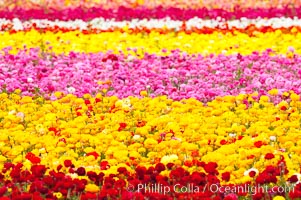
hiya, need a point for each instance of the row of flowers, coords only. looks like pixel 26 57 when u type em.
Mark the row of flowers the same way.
pixel 229 5
pixel 122 13
pixel 153 42
pixel 160 181
pixel 195 24
pixel 177 75
pixel 231 139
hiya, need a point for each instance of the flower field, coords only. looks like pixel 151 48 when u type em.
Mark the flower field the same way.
pixel 136 99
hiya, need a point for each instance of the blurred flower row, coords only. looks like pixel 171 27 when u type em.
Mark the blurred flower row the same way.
pixel 153 42
pixel 122 13
pixel 192 4
pixel 178 75
pixel 196 25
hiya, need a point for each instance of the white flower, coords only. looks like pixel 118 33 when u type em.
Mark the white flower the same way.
pixel 71 90
pixel 29 80
pixel 291 49
pixel 17 24
pixel 136 137
pixel 175 138
pixel 73 175
pixel 246 173
pixel 232 135
pixel 21 115
pixel 11 112
pixel 273 138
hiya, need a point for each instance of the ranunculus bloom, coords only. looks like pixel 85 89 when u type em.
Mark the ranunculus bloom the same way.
pixel 269 156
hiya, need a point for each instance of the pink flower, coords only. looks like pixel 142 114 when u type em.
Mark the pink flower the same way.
pixel 231 196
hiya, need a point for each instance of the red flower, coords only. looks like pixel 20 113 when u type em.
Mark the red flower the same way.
pixel 104 165
pixel 170 165
pixel 283 108
pixel 258 144
pixel 188 163
pixel 212 179
pixel 3 190
pixel 38 170
pixel 226 176
pixel 56 132
pixel 67 163
pixel 141 123
pixel 95 154
pixel 119 184
pixel 140 171
pixel 269 156
pixel 252 173
pixel 47 180
pixel 59 167
pixel 37 196
pixel 8 165
pixel 81 171
pixel 177 173
pixel 92 176
pixel 295 194
pixel 63 140
pixel 23 196
pixel 121 170
pixel 210 168
pixel 195 153
pixel 223 142
pixel 257 196
pixel 201 164
pixel 80 185
pixel 121 126
pixel 240 137
pixel 293 179
pixel 32 158
pixel 88 196
pixel 198 178
pixel 160 167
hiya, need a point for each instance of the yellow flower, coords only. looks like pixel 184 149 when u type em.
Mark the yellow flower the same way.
pixel 92 188
pixel 286 94
pixel 273 92
pixel 278 198
pixel 264 98
pixel 150 143
pixel 58 195
pixel 2 159
pixel 143 93
pixel 295 97
pixel 58 94
pixel 169 159
pixel 17 91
